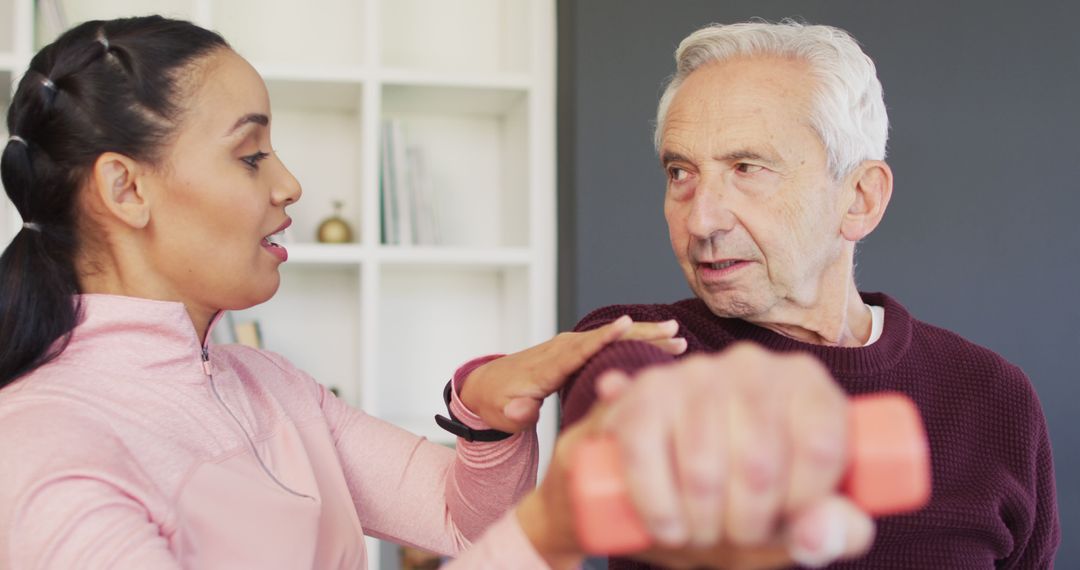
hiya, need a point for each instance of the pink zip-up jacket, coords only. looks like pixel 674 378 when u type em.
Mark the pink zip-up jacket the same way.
pixel 140 448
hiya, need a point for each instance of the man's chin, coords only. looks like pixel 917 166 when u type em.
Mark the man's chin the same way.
pixel 732 306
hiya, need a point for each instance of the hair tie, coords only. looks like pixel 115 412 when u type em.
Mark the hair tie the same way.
pixel 32 226
pixel 50 91
pixel 17 139
pixel 104 42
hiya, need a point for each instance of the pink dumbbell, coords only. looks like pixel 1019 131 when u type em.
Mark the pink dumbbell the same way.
pixel 889 473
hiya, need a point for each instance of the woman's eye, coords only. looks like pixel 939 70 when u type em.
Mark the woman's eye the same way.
pixel 747 168
pixel 677 174
pixel 253 160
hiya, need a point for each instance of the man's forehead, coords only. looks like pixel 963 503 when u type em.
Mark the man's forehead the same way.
pixel 741 105
pixel 734 136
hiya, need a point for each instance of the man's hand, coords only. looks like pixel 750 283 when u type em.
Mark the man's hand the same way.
pixel 507 392
pixel 731 460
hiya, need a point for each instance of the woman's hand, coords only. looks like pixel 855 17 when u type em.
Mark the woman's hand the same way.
pixel 731 460
pixel 507 392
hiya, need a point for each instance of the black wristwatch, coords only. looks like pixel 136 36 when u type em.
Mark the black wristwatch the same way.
pixel 454 425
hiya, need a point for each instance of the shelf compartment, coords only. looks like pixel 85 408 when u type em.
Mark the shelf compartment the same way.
pixel 454 256
pixel 325 254
pixel 7 89
pixel 461 80
pixel 286 33
pixel 459 36
pixel 433 320
pixel 8 217
pixel 76 11
pixel 475 146
pixel 321 146
pixel 7 31
pixel 313 321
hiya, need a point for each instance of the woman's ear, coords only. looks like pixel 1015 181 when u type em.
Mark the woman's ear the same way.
pixel 116 186
pixel 871 184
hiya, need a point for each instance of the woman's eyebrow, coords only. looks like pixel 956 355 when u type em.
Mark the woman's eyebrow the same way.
pixel 257 118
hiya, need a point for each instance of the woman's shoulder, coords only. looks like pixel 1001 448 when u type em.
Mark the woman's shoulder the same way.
pixel 48 431
pixel 268 379
pixel 266 363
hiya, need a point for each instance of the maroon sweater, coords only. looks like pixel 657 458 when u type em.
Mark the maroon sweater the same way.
pixel 993 502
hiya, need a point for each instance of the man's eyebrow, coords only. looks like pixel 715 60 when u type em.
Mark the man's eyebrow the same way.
pixel 737 155
pixel 671 156
pixel 256 118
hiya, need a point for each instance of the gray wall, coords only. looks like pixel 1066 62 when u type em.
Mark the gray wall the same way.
pixel 981 235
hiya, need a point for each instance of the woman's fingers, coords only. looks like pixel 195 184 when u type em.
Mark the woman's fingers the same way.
pixel 651 331
pixel 672 346
pixel 569 351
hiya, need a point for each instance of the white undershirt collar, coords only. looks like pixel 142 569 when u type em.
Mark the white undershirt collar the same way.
pixel 877 323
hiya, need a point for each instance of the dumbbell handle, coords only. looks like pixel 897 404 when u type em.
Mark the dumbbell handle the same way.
pixel 888 473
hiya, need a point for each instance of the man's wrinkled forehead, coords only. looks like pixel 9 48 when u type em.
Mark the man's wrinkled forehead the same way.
pixel 750 99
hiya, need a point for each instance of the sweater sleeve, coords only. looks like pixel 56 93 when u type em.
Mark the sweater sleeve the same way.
pixel 79 509
pixel 1032 515
pixel 579 393
pixel 411 491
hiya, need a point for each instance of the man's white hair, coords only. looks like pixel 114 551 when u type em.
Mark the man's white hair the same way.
pixel 848 109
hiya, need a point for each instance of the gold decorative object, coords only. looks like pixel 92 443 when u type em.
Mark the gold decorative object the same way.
pixel 335 229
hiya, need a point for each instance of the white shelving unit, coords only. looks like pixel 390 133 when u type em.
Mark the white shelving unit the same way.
pixel 472 84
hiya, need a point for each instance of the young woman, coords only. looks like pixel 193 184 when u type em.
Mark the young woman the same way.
pixel 140 160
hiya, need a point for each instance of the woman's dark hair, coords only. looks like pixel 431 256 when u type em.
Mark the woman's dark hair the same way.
pixel 101 86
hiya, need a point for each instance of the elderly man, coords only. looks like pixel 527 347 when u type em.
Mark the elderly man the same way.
pixel 773 140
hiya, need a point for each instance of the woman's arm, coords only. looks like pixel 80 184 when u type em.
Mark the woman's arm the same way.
pixel 409 490
pixel 69 498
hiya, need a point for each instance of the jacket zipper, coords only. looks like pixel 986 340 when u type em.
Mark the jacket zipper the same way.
pixel 208 370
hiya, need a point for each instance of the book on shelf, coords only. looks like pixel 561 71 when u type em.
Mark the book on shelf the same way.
pixel 406 197
pixel 248 333
pixel 231 331
pixel 413 558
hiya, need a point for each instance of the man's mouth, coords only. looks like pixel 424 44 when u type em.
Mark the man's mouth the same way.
pixel 720 265
pixel 716 271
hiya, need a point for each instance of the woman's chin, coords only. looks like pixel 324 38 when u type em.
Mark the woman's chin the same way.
pixel 257 293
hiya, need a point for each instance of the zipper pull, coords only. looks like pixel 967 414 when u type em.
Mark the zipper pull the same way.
pixel 206 361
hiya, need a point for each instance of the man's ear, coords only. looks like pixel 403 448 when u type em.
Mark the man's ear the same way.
pixel 871 184
pixel 116 185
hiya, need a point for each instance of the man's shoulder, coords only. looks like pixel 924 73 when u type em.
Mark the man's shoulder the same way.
pixel 974 372
pixel 640 312
pixel 943 345
pixel 933 339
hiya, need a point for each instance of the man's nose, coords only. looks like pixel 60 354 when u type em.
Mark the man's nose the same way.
pixel 710 210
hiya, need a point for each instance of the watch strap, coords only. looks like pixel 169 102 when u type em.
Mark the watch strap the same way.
pixel 456 427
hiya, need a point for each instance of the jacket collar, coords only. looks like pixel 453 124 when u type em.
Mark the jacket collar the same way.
pixel 130 334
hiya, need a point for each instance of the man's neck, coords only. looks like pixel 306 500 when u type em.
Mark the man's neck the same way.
pixel 836 316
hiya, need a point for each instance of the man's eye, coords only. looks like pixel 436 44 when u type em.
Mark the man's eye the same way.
pixel 252 160
pixel 677 174
pixel 746 168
